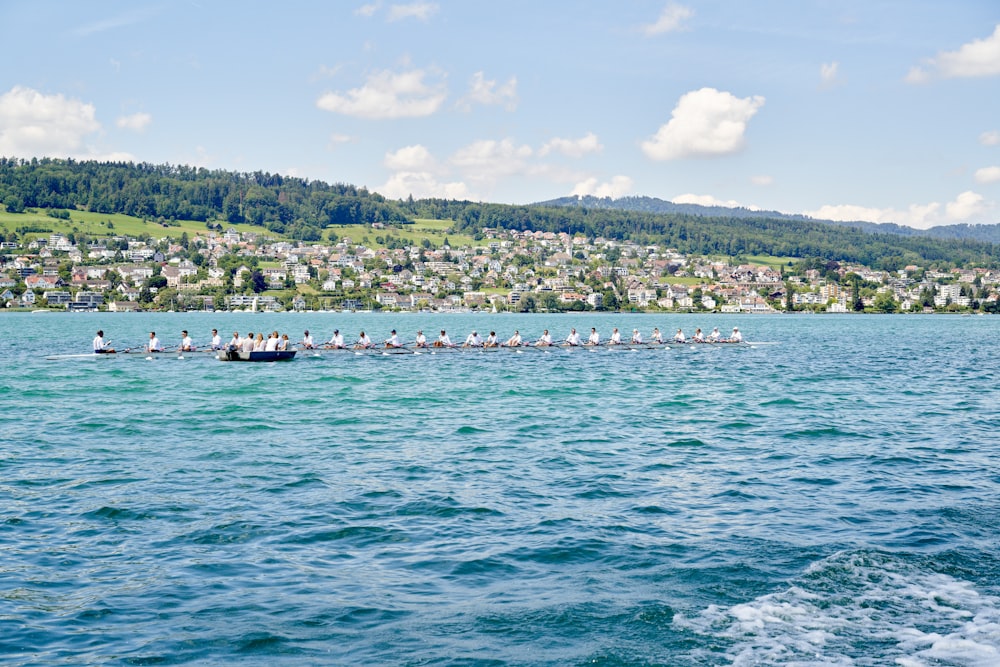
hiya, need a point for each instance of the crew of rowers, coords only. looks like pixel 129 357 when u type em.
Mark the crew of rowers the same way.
pixel 364 341
pixel 249 343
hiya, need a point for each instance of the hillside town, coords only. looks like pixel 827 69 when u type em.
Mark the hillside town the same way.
pixel 509 270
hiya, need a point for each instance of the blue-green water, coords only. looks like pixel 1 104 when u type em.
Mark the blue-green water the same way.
pixel 832 499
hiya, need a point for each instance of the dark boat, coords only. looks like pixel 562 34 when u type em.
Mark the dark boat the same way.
pixel 272 355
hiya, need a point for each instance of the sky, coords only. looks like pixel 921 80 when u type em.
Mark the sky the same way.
pixel 878 110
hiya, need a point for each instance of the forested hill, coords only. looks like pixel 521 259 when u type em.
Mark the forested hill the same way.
pixel 303 209
pixel 988 233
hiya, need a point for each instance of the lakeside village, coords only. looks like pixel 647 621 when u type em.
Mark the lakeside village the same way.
pixel 520 271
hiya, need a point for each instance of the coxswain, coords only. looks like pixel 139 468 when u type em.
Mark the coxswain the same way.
pixel 102 346
pixel 393 340
pixel 573 339
pixel 307 341
pixel 443 340
pixel 216 340
pixel 515 340
pixel 473 340
pixel 595 338
pixel 636 337
pixel 714 336
pixel 420 340
pixel 336 341
pixel 491 340
pixel 616 338
pixel 154 343
pixel 679 337
pixel 363 341
pixel 545 340
pixel 736 337
pixel 186 344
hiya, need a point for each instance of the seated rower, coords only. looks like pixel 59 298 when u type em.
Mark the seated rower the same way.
pixel 102 346
pixel 186 344
pixel 679 337
pixel 616 337
pixel 336 341
pixel 216 340
pixel 573 339
pixel 393 340
pixel 698 336
pixel 473 340
pixel 154 343
pixel 514 341
pixel 636 337
pixel 443 340
pixel 420 340
pixel 491 340
pixel 714 336
pixel 655 337
pixel 363 342
pixel 545 340
pixel 307 341
pixel 595 338
pixel 736 336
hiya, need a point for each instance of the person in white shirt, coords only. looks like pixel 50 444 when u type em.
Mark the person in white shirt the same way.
pixel 283 343
pixel 545 340
pixel 679 337
pixel 154 343
pixel 595 338
pixel 336 341
pixel 616 338
pixel 714 336
pixel 363 341
pixel 698 336
pixel 102 346
pixel 515 340
pixel 307 341
pixel 491 340
pixel 655 337
pixel 443 340
pixel 573 338
pixel 216 340
pixel 235 343
pixel 186 344
pixel 420 340
pixel 636 337
pixel 393 340
pixel 259 344
pixel 473 340
pixel 736 337
pixel 271 344
pixel 246 345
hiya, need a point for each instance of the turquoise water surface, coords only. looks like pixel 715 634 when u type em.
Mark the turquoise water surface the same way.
pixel 830 499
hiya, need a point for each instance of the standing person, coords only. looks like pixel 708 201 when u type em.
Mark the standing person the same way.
pixel 714 336
pixel 364 341
pixel 545 340
pixel 655 337
pixel 515 340
pixel 393 340
pixel 420 340
pixel 216 340
pixel 736 337
pixel 573 339
pixel 616 338
pixel 307 341
pixel 102 346
pixel 443 340
pixel 491 340
pixel 336 341
pixel 473 340
pixel 594 338
pixel 636 337
pixel 186 344
pixel 154 343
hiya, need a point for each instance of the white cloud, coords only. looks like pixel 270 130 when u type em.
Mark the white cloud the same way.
pixel 422 184
pixel 366 11
pixel 705 122
pixel 709 200
pixel 991 138
pixel 988 175
pixel 488 160
pixel 762 180
pixel 573 147
pixel 920 216
pixel 671 20
pixel 137 122
pixel 980 57
pixel 336 139
pixel 828 74
pixel 489 93
pixel 33 124
pixel 388 95
pixel 618 186
pixel 410 158
pixel 414 10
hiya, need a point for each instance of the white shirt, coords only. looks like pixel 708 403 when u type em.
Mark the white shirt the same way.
pixel 515 340
pixel 573 338
pixel 186 343
pixel 271 344
pixel 248 344
pixel 656 337
pixel 474 340
pixel 546 339
pixel 737 337
pixel 444 340
pixel 679 336
pixel 364 340
pixel 616 338
pixel 307 341
pixel 698 337
pixel 491 341
pixel 99 344
pixel 595 338
pixel 216 342
pixel 234 344
pixel 154 345
pixel 259 345
pixel 421 340
pixel 393 341
pixel 282 343
pixel 715 334
pixel 337 340
pixel 637 338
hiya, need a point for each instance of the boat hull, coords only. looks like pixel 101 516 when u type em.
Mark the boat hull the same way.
pixel 261 356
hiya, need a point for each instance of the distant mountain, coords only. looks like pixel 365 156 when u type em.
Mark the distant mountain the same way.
pixel 988 233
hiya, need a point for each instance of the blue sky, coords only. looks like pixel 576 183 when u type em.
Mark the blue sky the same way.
pixel 876 110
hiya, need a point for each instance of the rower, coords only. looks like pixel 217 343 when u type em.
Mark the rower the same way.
pixel 102 346
pixel 393 340
pixel 515 340
pixel 679 337
pixel 636 337
pixel 491 340
pixel 616 338
pixel 655 337
pixel 363 341
pixel 216 340
pixel 736 336
pixel 714 336
pixel 307 341
pixel 420 340
pixel 698 336
pixel 595 338
pixel 336 341
pixel 186 344
pixel 545 340
pixel 443 340
pixel 573 338
pixel 154 343
pixel 473 340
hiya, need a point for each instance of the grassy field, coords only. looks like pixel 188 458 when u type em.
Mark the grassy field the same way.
pixel 434 231
pixel 108 224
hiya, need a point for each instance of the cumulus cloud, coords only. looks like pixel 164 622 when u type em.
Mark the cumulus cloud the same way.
pixel 991 138
pixel 421 185
pixel 572 147
pixel 489 93
pixel 705 122
pixel 828 73
pixel 618 186
pixel 980 57
pixel 137 122
pixel 671 19
pixel 920 216
pixel 34 124
pixel 366 11
pixel 988 175
pixel 414 10
pixel 410 158
pixel 488 160
pixel 709 200
pixel 388 95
